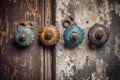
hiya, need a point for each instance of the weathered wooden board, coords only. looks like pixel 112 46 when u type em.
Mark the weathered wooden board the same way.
pixel 87 62
pixel 24 63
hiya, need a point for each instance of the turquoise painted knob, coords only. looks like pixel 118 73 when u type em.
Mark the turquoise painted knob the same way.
pixel 24 36
pixel 73 35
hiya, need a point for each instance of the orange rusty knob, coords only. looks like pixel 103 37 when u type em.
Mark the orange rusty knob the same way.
pixel 49 35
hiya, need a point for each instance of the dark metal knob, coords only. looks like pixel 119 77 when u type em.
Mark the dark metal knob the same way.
pixel 73 35
pixel 24 36
pixel 98 34
pixel 49 35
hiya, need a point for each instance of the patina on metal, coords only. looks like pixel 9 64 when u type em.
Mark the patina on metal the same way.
pixel 73 35
pixel 49 35
pixel 24 36
pixel 98 35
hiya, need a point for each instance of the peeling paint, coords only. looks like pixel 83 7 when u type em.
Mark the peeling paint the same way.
pixel 86 13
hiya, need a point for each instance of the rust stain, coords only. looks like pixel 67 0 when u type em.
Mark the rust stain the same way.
pixel 31 63
pixel 15 73
pixel 1 40
pixel 7 29
pixel 32 9
pixel 4 33
pixel 48 12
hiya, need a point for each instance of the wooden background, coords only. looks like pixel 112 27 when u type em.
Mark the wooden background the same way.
pixel 87 62
pixel 25 63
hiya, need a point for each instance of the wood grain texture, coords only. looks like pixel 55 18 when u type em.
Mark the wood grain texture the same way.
pixel 86 62
pixel 49 51
pixel 20 63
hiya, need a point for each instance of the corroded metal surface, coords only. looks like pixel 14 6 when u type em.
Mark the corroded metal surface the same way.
pixel 49 35
pixel 98 35
pixel 88 62
pixel 70 32
pixel 24 36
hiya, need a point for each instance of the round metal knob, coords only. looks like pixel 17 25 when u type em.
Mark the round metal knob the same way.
pixel 24 36
pixel 49 35
pixel 73 35
pixel 98 35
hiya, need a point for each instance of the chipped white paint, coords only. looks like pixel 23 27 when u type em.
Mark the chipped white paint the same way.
pixel 66 59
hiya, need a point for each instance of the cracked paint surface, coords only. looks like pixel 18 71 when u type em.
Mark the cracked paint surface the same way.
pixel 86 62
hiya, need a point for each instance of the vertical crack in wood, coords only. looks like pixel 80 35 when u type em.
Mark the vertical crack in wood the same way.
pixel 48 53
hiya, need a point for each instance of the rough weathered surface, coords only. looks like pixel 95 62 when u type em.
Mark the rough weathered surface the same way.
pixel 87 62
pixel 18 63
pixel 24 63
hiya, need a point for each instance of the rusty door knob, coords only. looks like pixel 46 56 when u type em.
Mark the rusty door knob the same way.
pixel 73 35
pixel 49 35
pixel 24 36
pixel 98 35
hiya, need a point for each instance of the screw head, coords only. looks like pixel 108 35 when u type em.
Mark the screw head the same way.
pixel 99 35
pixel 48 35
pixel 74 36
pixel 23 37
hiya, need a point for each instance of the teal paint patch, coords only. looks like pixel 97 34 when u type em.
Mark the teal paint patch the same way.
pixel 28 32
pixel 68 32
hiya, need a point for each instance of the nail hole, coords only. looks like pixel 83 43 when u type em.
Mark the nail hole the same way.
pixel 87 22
